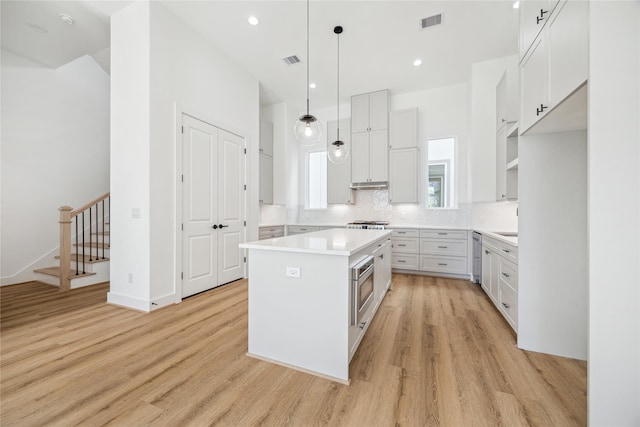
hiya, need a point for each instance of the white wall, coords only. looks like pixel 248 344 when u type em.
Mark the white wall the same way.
pixel 55 152
pixel 552 244
pixel 614 214
pixel 186 71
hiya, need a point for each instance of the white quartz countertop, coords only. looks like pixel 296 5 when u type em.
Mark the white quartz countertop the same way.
pixel 512 240
pixel 336 241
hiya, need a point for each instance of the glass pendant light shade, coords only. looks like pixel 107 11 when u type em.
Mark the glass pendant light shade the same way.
pixel 308 130
pixel 338 152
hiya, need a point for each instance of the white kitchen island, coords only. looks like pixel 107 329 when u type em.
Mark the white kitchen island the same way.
pixel 305 322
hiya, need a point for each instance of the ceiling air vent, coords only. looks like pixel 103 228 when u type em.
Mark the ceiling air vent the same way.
pixel 431 21
pixel 291 60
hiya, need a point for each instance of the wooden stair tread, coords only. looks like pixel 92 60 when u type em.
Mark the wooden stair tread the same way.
pixel 87 258
pixel 93 245
pixel 55 271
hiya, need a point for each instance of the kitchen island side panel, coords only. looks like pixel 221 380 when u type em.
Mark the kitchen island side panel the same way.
pixel 302 321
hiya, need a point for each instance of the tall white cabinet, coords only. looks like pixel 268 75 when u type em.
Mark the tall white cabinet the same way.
pixel 370 137
pixel 266 163
pixel 403 156
pixel 339 175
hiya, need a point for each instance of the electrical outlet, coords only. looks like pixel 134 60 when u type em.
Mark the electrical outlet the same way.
pixel 293 272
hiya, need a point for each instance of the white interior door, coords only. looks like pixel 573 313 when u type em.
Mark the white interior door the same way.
pixel 199 206
pixel 231 207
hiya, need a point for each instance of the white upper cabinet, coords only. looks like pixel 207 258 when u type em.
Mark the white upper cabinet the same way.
pixel 403 175
pixel 266 138
pixel 555 66
pixel 266 179
pixel 370 137
pixel 339 175
pixel 403 128
pixel 568 49
pixel 533 17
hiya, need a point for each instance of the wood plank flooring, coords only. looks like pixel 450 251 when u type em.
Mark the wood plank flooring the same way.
pixel 437 353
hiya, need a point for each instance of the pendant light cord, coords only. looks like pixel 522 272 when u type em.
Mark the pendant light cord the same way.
pixel 338 94
pixel 307 57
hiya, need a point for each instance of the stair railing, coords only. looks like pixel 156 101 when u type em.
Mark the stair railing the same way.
pixel 98 212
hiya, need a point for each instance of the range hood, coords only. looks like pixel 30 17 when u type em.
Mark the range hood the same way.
pixel 371 185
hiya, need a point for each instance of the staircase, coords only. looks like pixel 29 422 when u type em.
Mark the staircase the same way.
pixel 84 246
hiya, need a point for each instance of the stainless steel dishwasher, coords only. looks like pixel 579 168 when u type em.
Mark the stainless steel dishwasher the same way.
pixel 477 257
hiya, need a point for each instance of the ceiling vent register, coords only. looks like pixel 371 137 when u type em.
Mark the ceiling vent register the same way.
pixel 431 21
pixel 291 60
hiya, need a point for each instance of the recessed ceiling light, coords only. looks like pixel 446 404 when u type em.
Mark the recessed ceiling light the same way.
pixel 36 28
pixel 516 5
pixel 417 62
pixel 312 85
pixel 66 18
pixel 253 21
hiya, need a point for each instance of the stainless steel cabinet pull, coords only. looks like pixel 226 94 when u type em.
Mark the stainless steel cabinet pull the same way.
pixel 506 305
pixel 442 247
pixel 401 260
pixel 442 234
pixel 440 263
pixel 401 244
pixel 506 250
pixel 505 275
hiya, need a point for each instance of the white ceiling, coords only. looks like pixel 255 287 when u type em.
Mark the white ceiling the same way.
pixel 379 43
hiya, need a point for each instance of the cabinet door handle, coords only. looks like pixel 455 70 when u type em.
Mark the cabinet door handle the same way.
pixel 442 263
pixel 506 251
pixel 541 109
pixel 362 325
pixel 442 234
pixel 506 305
pixel 382 256
pixel 442 247
pixel 506 275
pixel 486 252
pixel 401 244
pixel 401 260
pixel 540 18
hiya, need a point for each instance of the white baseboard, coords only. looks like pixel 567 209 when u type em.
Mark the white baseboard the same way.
pixel 129 302
pixel 164 301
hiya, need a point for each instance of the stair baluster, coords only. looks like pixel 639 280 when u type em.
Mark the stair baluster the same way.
pixel 90 238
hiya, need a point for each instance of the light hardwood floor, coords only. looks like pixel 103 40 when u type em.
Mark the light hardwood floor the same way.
pixel 437 353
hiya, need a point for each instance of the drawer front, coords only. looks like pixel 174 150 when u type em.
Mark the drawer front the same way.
pixel 443 247
pixel 444 234
pixel 509 252
pixel 406 232
pixel 299 229
pixel 509 305
pixel 411 246
pixel 441 264
pixel 508 273
pixel 404 261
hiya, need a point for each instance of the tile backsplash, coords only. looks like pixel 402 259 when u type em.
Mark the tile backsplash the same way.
pixel 374 205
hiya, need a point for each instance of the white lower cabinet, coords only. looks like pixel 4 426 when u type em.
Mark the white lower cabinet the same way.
pixel 271 231
pixel 500 277
pixel 430 250
pixel 382 267
pixel 300 229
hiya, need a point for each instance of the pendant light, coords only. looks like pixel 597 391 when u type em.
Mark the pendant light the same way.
pixel 338 151
pixel 307 128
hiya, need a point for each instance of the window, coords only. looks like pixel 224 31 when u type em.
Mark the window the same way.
pixel 317 180
pixel 441 172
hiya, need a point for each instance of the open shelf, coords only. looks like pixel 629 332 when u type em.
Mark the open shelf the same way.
pixel 513 164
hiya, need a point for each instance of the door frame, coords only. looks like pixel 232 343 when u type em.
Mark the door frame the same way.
pixel 179 112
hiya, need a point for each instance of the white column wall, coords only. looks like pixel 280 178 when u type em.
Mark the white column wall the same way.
pixel 130 147
pixel 614 214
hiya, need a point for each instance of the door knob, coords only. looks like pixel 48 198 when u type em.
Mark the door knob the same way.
pixel 222 226
pixel 215 226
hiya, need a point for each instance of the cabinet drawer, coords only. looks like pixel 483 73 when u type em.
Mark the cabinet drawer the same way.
pixel 270 232
pixel 444 234
pixel 405 245
pixel 509 252
pixel 404 261
pixel 443 264
pixel 443 247
pixel 509 305
pixel 406 232
pixel 299 229
pixel 508 273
